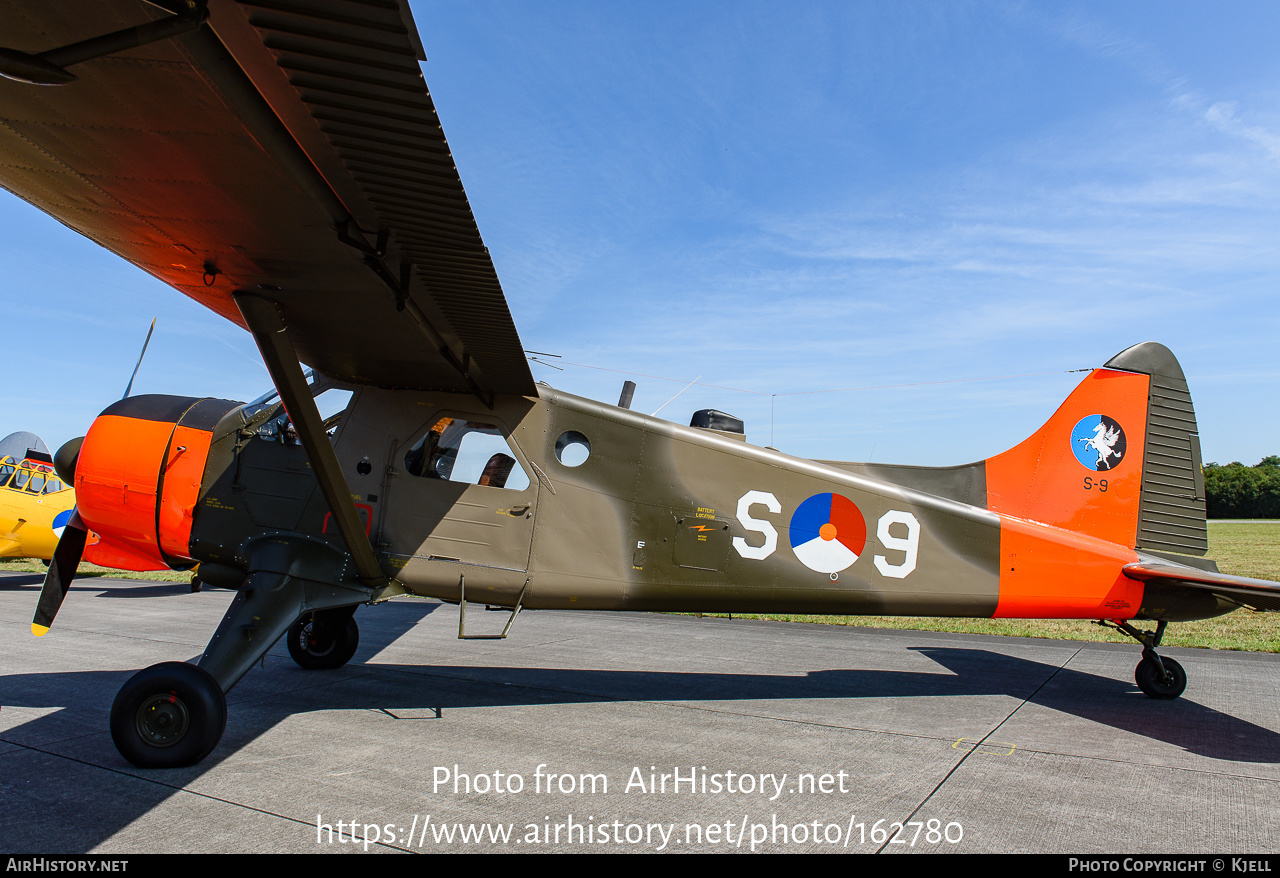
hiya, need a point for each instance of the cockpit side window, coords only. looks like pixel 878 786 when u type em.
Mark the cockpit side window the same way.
pixel 458 450
pixel 332 404
pixel 6 473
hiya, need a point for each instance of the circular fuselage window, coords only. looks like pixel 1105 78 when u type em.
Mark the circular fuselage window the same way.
pixel 572 448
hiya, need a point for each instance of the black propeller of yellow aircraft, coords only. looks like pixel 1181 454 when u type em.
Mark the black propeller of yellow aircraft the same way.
pixel 282 164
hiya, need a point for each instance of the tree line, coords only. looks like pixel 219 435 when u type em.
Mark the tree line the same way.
pixel 1233 490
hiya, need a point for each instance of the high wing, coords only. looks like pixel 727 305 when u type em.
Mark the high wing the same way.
pixel 286 147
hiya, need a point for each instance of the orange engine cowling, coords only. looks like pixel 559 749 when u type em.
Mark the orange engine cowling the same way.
pixel 138 478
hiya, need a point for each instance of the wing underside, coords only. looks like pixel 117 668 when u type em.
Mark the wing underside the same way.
pixel 286 147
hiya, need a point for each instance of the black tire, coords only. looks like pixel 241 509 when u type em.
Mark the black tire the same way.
pixel 168 715
pixel 1150 681
pixel 320 644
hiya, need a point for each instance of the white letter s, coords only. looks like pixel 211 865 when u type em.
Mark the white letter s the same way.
pixel 755 525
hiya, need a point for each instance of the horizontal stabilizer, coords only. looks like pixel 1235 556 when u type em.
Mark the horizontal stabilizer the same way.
pixel 1259 594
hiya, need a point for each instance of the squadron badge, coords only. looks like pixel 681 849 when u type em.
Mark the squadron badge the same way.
pixel 1098 442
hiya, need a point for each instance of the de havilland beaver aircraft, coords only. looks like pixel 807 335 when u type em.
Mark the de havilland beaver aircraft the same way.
pixel 281 162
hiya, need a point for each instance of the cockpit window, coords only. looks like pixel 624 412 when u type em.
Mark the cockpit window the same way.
pixel 36 485
pixel 458 450
pixel 6 472
pixel 20 479
pixel 332 404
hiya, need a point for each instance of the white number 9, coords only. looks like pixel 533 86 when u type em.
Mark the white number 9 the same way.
pixel 910 544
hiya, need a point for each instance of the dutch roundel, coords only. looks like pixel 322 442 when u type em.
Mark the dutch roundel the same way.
pixel 60 521
pixel 828 533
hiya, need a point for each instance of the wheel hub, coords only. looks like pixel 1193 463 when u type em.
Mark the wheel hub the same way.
pixel 162 720
pixel 311 640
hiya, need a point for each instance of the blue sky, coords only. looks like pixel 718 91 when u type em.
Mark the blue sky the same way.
pixel 785 198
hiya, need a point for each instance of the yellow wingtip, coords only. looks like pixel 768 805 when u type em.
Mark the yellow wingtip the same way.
pixel 39 630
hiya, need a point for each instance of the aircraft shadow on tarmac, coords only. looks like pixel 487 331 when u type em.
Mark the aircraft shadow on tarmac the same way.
pixel 267 697
pixel 15 581
pixel 107 588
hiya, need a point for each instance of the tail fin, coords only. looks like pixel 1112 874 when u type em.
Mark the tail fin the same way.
pixel 1119 460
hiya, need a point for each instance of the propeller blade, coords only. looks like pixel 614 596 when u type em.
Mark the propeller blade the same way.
pixel 129 389
pixel 62 569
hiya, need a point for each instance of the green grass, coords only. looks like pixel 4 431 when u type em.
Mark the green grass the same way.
pixel 30 565
pixel 1241 549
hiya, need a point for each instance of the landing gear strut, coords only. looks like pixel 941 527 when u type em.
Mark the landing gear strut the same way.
pixel 1157 676
pixel 173 714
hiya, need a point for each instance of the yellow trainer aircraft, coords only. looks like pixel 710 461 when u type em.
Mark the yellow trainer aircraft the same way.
pixel 35 505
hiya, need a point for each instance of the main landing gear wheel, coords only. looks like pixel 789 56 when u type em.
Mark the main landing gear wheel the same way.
pixel 320 642
pixel 1168 685
pixel 1154 682
pixel 168 715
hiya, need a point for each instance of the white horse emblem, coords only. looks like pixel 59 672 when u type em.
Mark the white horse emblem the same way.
pixel 1103 444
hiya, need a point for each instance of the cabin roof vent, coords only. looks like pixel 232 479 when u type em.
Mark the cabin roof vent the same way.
pixel 718 422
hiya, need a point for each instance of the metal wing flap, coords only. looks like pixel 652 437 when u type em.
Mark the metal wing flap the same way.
pixel 1261 594
pixel 286 147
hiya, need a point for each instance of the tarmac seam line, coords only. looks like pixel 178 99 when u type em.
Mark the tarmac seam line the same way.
pixel 177 789
pixel 975 747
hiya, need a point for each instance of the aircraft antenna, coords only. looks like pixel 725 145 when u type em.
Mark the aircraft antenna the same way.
pixel 673 399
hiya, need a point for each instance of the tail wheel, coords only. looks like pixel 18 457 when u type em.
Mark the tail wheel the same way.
pixel 168 715
pixel 1170 684
pixel 320 642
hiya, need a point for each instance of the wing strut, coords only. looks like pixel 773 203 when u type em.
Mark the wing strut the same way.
pixel 50 67
pixel 264 320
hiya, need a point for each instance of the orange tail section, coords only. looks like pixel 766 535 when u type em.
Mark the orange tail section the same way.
pixel 1118 465
pixel 1081 471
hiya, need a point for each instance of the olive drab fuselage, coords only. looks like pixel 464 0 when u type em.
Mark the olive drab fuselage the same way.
pixel 649 515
